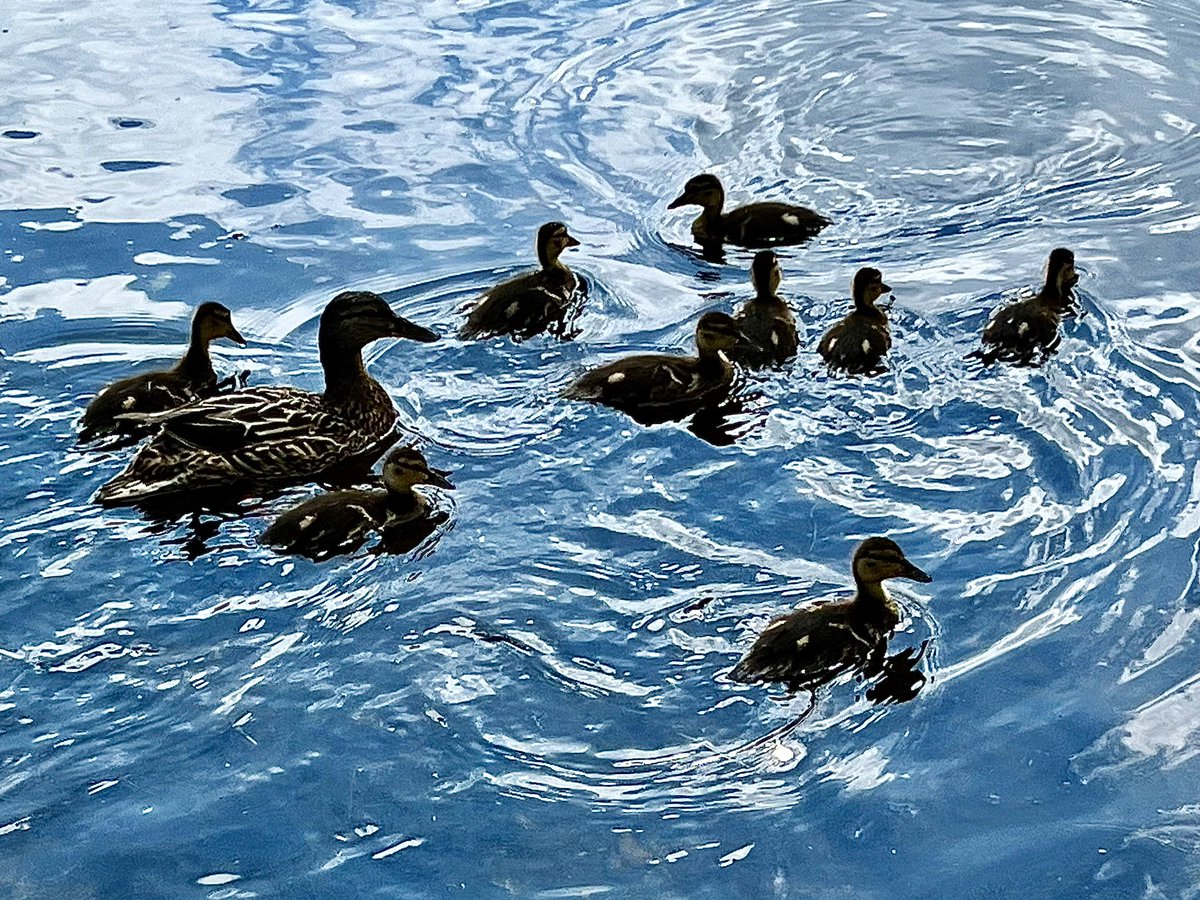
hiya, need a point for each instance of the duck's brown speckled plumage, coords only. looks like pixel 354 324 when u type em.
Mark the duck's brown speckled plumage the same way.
pixel 192 378
pixel 340 522
pixel 658 387
pixel 1027 332
pixel 814 645
pixel 273 436
pixel 753 225
pixel 767 325
pixel 547 300
pixel 857 344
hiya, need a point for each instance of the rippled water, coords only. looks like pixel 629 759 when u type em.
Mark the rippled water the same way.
pixel 535 707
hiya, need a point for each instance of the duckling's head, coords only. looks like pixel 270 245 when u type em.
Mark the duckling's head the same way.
pixel 715 332
pixel 703 190
pixel 355 318
pixel 878 558
pixel 213 321
pixel 1060 271
pixel 765 273
pixel 552 239
pixel 405 466
pixel 868 286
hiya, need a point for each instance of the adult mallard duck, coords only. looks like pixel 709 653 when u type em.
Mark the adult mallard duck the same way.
pixel 857 344
pixel 657 387
pixel 273 436
pixel 341 521
pixel 767 325
pixel 1026 332
pixel 753 225
pixel 814 645
pixel 545 300
pixel 192 378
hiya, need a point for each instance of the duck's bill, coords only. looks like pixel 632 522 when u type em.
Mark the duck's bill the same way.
pixel 681 200
pixel 885 288
pixel 912 573
pixel 439 478
pixel 236 336
pixel 571 242
pixel 414 332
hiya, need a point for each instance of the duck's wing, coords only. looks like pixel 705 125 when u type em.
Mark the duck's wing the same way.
pixel 522 307
pixel 647 381
pixel 769 339
pixel 855 345
pixel 112 410
pixel 768 224
pixel 1019 333
pixel 328 525
pixel 806 649
pixel 228 422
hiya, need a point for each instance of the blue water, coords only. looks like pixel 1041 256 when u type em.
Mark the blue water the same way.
pixel 534 708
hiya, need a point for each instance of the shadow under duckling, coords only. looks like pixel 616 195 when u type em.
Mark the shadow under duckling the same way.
pixel 857 344
pixel 1026 333
pixel 812 646
pixel 753 225
pixel 653 388
pixel 547 300
pixel 767 325
pixel 192 378
pixel 340 522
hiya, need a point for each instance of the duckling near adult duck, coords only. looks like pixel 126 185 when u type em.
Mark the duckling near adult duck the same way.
pixel 767 325
pixel 274 436
pixel 653 388
pixel 812 646
pixel 546 300
pixel 341 521
pixel 1026 332
pixel 753 225
pixel 192 378
pixel 857 344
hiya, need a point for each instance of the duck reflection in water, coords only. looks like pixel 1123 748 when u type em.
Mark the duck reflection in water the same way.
pixel 813 646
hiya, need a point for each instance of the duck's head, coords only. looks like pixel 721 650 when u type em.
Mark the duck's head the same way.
pixel 213 321
pixel 878 558
pixel 355 318
pixel 1060 271
pixel 765 273
pixel 405 466
pixel 703 190
pixel 715 332
pixel 868 286
pixel 552 239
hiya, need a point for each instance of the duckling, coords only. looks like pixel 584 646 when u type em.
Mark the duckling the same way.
pixel 752 225
pixel 192 378
pixel 766 323
pixel 812 646
pixel 657 387
pixel 341 521
pixel 857 344
pixel 527 305
pixel 1026 332
pixel 270 437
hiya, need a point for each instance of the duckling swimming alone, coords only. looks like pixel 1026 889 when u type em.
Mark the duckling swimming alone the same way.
pixel 192 378
pixel 812 646
pixel 657 387
pixel 546 300
pixel 767 325
pixel 274 436
pixel 1026 332
pixel 341 521
pixel 753 225
pixel 857 344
